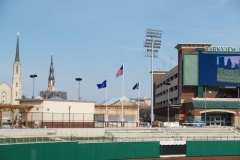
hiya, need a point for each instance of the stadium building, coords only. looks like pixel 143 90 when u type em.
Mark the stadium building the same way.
pixel 203 87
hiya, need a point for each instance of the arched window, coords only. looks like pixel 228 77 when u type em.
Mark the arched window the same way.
pixel 17 70
pixel 16 84
pixel 4 97
pixel 16 94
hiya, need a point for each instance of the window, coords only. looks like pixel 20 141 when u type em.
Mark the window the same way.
pixel 130 118
pixel 16 84
pixel 4 97
pixel 175 76
pixel 175 87
pixel 113 118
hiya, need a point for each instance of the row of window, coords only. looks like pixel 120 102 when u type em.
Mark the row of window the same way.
pixel 172 100
pixel 168 80
pixel 174 88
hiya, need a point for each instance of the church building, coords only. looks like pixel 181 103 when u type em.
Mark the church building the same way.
pixel 10 94
pixel 51 92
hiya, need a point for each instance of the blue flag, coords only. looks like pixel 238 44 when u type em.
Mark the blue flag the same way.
pixel 102 85
pixel 136 86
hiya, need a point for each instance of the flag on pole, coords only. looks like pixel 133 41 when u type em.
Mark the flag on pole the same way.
pixel 102 85
pixel 136 86
pixel 120 72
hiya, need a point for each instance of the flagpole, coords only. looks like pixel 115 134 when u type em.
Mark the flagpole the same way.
pixel 106 102
pixel 122 94
pixel 138 102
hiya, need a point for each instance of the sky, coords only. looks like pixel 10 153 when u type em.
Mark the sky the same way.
pixel 91 39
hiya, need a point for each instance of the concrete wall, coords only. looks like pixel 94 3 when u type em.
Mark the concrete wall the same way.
pixel 82 132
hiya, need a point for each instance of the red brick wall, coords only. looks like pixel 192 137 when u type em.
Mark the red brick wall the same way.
pixel 189 92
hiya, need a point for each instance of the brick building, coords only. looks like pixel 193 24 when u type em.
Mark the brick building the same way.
pixel 203 87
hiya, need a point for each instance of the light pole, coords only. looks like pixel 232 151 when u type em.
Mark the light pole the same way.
pixel 69 109
pixel 168 83
pixel 152 43
pixel 33 76
pixel 238 87
pixel 79 79
pixel 205 92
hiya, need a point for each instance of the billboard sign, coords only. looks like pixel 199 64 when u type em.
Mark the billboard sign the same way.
pixel 219 69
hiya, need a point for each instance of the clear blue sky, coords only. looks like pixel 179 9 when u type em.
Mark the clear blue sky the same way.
pixel 89 39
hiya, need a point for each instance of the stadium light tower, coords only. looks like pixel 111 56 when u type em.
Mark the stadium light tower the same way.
pixel 152 43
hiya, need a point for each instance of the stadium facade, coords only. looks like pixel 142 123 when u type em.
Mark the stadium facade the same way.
pixel 203 87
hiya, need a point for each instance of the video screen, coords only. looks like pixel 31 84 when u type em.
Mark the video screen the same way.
pixel 219 69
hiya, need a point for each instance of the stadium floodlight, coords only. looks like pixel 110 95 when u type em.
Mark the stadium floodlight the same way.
pixel 152 43
pixel 205 92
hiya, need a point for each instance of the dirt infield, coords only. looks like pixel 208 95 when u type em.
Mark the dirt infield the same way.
pixel 196 158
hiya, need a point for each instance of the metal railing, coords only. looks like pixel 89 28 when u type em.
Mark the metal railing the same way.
pixel 103 139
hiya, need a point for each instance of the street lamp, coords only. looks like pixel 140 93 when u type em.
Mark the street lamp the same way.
pixel 69 109
pixel 168 83
pixel 152 43
pixel 205 92
pixel 33 76
pixel 79 79
pixel 238 87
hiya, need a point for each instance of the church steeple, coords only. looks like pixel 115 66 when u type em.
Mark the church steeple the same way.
pixel 51 79
pixel 16 79
pixel 17 59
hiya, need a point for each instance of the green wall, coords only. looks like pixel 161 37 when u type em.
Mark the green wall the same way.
pixel 212 148
pixel 190 70
pixel 113 150
pixel 75 151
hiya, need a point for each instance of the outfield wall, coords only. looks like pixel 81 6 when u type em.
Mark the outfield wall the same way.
pixel 74 151
pixel 117 150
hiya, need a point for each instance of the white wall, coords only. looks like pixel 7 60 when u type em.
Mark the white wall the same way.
pixel 4 88
pixel 63 107
pixel 49 110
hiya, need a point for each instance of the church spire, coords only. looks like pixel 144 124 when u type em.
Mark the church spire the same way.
pixel 17 59
pixel 51 79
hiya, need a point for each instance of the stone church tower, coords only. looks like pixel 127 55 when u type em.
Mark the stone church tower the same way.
pixel 51 79
pixel 16 78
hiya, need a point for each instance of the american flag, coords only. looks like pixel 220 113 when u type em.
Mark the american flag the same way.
pixel 120 72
